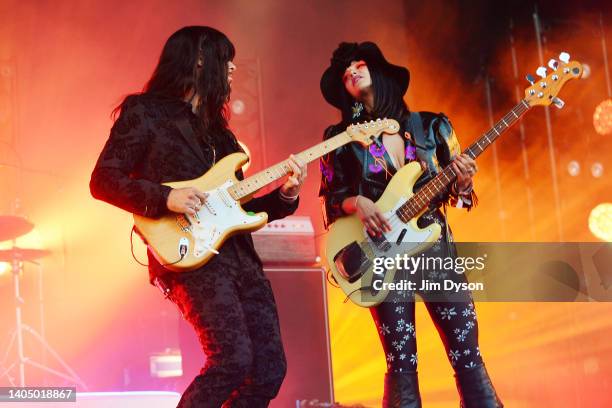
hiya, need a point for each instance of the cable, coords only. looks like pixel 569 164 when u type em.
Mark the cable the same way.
pixel 332 281
pixel 132 247
pixel 183 251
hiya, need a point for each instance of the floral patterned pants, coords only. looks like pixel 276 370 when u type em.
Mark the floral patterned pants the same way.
pixel 231 307
pixel 455 319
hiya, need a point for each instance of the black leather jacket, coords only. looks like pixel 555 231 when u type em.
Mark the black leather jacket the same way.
pixel 356 170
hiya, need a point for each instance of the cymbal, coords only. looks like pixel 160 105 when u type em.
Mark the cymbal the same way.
pixel 12 227
pixel 22 254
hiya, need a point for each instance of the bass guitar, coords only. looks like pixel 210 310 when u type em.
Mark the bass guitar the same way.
pixel 350 251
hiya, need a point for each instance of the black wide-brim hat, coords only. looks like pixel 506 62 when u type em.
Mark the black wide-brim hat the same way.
pixel 332 85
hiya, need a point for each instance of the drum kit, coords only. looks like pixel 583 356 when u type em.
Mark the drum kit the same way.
pixel 11 228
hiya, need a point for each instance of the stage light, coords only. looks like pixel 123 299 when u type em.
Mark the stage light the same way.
pixel 602 118
pixel 238 107
pixel 600 221
pixel 597 169
pixel 4 268
pixel 248 153
pixel 573 168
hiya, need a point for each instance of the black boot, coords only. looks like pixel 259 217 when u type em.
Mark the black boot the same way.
pixel 475 389
pixel 402 391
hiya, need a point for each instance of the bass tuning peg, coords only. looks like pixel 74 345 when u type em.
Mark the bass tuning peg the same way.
pixel 541 71
pixel 553 64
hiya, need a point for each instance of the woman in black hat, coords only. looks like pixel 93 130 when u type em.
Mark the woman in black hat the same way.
pixel 364 86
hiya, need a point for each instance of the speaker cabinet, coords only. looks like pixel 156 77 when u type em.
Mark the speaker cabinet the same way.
pixel 302 306
pixel 301 298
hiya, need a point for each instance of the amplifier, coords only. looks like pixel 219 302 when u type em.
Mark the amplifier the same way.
pixel 289 241
pixel 305 333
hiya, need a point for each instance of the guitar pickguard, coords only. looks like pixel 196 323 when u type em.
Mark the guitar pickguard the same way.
pixel 403 237
pixel 219 215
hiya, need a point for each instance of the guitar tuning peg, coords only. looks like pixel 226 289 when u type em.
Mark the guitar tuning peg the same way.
pixel 558 102
pixel 564 56
pixel 553 64
pixel 530 79
pixel 541 71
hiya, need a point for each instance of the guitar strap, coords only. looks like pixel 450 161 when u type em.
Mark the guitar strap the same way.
pixel 416 130
pixel 418 134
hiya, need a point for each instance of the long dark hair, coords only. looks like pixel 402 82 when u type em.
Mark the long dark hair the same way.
pixel 388 99
pixel 177 73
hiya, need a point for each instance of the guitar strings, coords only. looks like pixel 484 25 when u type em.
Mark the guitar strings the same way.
pixel 395 220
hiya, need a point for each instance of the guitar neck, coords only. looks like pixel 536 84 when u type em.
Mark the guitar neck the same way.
pixel 442 180
pixel 252 184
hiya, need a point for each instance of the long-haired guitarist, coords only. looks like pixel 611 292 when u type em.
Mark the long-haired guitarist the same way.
pixel 364 86
pixel 177 129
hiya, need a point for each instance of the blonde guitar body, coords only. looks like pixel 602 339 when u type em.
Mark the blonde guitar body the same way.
pixel 182 242
pixel 405 238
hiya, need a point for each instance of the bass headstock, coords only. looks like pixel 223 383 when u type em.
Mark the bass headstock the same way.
pixel 544 91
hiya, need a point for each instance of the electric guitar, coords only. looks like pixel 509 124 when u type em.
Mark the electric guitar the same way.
pixel 349 249
pixel 181 242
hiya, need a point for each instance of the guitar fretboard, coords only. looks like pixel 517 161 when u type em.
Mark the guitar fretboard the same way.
pixel 442 180
pixel 252 184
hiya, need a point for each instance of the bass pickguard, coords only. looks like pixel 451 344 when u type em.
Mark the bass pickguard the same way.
pixel 356 260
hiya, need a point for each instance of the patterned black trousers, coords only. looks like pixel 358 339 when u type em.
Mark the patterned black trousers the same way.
pixel 456 324
pixel 231 307
pixel 454 315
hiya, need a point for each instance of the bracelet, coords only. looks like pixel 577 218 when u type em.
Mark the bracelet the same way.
pixel 287 198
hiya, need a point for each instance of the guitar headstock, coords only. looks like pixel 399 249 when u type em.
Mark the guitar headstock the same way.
pixel 365 132
pixel 544 91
